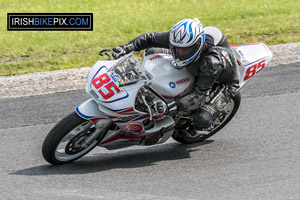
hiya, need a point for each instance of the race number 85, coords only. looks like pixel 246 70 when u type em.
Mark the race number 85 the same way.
pixel 104 81
pixel 254 69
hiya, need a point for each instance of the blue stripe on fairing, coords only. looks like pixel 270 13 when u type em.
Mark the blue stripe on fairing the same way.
pixel 255 61
pixel 96 74
pixel 82 115
pixel 120 121
pixel 99 71
pixel 142 117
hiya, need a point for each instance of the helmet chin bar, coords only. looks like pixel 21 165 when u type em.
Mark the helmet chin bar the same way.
pixel 174 64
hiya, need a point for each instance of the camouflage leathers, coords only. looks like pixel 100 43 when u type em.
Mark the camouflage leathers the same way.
pixel 217 64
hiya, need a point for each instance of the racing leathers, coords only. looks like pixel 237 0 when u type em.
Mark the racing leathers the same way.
pixel 216 64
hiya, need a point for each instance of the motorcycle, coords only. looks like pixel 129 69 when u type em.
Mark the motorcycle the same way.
pixel 120 112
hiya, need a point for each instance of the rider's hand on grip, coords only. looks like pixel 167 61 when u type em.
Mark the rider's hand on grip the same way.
pixel 118 52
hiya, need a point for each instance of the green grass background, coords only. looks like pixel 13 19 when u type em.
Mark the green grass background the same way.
pixel 118 21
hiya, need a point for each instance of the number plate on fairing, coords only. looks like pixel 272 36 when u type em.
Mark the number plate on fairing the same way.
pixel 104 87
pixel 254 58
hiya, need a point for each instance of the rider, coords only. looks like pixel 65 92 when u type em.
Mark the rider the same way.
pixel 210 63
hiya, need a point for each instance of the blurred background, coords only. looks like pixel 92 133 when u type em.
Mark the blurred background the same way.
pixel 117 22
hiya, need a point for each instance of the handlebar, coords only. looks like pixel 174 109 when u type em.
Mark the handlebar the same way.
pixel 105 52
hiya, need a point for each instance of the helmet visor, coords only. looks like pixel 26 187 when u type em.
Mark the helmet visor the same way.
pixel 184 53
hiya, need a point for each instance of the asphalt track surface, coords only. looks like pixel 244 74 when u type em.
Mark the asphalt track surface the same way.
pixel 256 156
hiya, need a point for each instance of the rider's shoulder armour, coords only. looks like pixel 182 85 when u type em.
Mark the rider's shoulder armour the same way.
pixel 218 36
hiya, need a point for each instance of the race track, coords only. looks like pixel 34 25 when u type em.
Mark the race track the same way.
pixel 256 156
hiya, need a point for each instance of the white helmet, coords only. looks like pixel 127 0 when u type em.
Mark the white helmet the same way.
pixel 186 41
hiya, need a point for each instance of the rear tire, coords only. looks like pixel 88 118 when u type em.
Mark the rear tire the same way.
pixel 63 143
pixel 186 138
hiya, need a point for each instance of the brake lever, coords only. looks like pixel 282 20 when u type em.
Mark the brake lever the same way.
pixel 105 52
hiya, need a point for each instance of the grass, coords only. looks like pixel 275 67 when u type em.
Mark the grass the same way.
pixel 117 22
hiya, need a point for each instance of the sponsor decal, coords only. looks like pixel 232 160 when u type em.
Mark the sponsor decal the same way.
pixel 181 81
pixel 49 21
pixel 133 128
pixel 184 80
pixel 172 85
pixel 157 56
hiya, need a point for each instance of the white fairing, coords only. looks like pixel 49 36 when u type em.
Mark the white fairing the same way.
pixel 167 80
pixel 251 58
pixel 122 99
pixel 89 110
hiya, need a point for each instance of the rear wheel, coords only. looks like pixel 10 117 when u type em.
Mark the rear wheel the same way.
pixel 68 139
pixel 183 133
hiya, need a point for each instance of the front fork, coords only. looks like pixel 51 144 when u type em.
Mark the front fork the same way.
pixel 89 110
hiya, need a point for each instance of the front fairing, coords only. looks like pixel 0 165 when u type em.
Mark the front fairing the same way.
pixel 114 84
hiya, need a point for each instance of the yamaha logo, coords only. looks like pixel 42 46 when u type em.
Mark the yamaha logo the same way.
pixel 172 85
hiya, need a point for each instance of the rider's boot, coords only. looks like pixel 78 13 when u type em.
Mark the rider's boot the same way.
pixel 205 118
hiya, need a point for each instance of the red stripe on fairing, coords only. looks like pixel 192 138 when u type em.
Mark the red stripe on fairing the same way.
pixel 96 119
pixel 121 136
pixel 127 110
pixel 123 111
pixel 132 137
pixel 159 117
pixel 168 97
pixel 112 117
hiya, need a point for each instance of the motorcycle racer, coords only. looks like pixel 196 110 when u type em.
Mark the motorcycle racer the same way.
pixel 210 63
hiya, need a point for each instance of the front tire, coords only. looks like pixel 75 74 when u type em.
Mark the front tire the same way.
pixel 65 142
pixel 184 136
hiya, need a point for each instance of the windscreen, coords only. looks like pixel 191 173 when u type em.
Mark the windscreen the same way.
pixel 126 71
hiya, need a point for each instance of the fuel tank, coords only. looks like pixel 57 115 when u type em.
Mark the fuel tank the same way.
pixel 167 80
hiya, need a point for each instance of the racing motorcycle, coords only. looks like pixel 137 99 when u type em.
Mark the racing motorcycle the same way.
pixel 120 112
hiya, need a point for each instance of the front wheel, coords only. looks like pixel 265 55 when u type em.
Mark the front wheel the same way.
pixel 67 141
pixel 183 135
